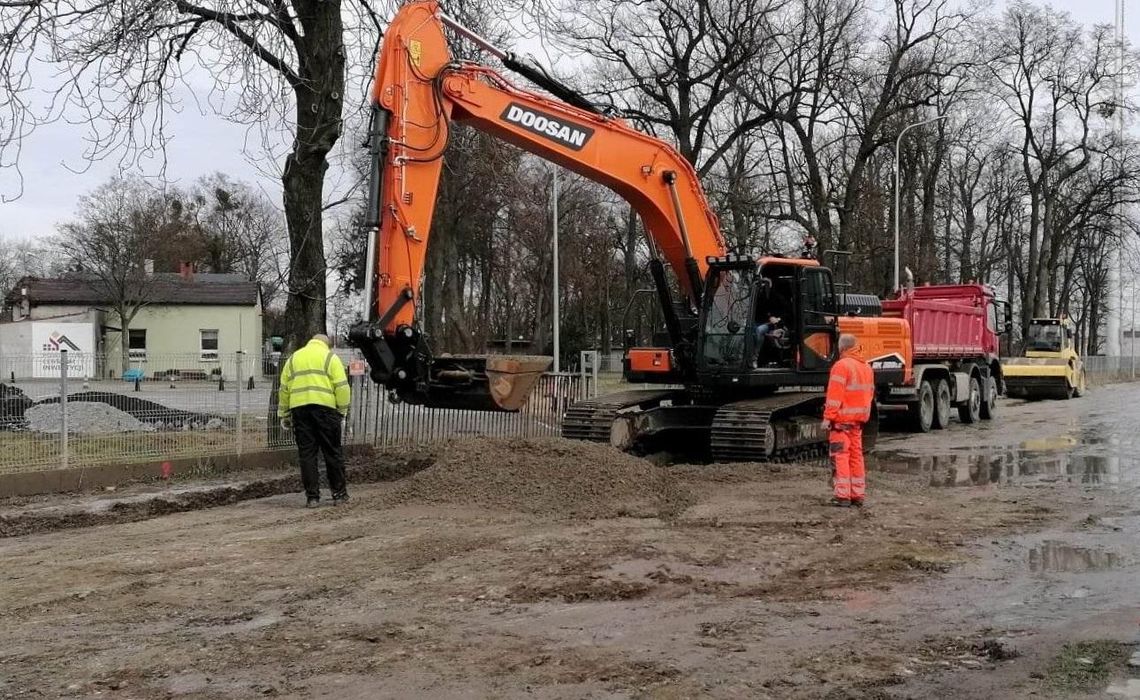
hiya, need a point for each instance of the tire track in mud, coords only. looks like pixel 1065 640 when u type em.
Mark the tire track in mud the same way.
pixel 372 469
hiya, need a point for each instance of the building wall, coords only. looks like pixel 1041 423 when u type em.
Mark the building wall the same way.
pixel 25 353
pixel 15 342
pixel 175 331
pixel 63 313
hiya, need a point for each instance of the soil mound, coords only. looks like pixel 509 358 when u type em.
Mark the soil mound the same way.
pixel 549 476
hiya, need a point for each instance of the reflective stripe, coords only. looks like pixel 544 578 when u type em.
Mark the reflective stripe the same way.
pixel 306 372
pixel 860 387
pixel 833 402
pixel 856 410
pixel 838 379
pixel 328 361
pixel 344 383
pixel 318 389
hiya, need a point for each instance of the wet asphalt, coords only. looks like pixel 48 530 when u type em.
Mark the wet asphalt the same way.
pixel 1079 580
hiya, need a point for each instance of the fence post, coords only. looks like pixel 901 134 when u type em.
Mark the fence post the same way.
pixel 237 383
pixel 63 448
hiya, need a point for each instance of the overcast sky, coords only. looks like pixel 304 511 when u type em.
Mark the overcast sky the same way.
pixel 204 143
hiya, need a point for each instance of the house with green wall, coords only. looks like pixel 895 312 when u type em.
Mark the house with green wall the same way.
pixel 191 325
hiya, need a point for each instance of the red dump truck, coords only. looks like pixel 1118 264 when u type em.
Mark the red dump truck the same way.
pixel 955 334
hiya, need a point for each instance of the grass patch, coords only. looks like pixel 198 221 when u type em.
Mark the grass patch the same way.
pixel 26 451
pixel 1085 666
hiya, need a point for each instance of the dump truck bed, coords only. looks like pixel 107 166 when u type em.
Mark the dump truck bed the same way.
pixel 948 322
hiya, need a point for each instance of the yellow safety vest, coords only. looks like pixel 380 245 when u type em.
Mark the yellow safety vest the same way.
pixel 314 375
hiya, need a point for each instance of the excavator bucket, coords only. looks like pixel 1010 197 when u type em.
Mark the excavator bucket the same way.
pixel 484 382
pixel 511 379
pixel 1037 378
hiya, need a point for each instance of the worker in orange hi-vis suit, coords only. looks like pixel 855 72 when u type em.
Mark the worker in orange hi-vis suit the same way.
pixel 850 391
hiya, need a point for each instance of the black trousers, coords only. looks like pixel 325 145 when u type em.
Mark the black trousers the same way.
pixel 317 430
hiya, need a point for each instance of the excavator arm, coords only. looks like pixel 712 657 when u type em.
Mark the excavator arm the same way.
pixel 419 91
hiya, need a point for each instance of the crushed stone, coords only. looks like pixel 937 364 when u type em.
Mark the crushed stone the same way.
pixel 162 417
pixel 83 417
pixel 546 476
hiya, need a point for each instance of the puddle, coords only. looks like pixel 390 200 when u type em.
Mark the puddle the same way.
pixel 1026 463
pixel 1060 557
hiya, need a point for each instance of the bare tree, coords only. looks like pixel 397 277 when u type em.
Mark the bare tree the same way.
pixel 106 246
pixel 241 231
pixel 671 65
pixel 22 258
pixel 1054 80
pixel 280 64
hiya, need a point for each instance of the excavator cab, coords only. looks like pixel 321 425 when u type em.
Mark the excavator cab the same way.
pixel 766 323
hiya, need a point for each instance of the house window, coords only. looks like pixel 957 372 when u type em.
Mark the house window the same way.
pixel 209 344
pixel 136 343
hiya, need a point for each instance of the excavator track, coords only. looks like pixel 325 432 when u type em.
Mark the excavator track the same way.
pixel 778 428
pixel 593 420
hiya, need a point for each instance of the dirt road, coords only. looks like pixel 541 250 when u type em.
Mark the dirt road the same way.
pixel 553 570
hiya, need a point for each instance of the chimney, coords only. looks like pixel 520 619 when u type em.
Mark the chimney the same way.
pixel 148 267
pixel 186 271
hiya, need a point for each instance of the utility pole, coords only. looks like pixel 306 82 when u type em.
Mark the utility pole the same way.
pixel 557 320
pixel 898 143
pixel 1115 291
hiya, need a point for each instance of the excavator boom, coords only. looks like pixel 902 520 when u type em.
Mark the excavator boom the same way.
pixel 418 93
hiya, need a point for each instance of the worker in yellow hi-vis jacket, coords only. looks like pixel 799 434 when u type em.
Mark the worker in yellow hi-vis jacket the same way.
pixel 313 402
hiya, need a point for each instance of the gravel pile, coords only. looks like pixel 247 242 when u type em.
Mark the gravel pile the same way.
pixel 555 477
pixel 153 414
pixel 83 417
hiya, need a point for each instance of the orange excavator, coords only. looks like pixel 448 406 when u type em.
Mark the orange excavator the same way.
pixel 739 330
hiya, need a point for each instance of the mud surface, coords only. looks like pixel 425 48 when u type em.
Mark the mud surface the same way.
pixel 24 516
pixel 551 570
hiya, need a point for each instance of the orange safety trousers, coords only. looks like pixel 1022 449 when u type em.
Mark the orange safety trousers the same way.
pixel 846 448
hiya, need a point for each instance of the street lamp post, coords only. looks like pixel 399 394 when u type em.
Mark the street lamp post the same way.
pixel 898 142
pixel 557 320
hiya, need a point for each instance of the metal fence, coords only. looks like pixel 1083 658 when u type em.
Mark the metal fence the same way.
pixel 53 414
pixel 1101 369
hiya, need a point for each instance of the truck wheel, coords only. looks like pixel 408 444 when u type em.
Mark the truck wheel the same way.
pixel 920 414
pixel 971 410
pixel 941 404
pixel 989 402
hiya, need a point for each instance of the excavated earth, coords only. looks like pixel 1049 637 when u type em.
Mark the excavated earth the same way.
pixel 550 569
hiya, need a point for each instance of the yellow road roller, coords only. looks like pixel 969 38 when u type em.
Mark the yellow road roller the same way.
pixel 1051 367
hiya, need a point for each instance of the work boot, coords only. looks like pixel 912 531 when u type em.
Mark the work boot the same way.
pixel 313 503
pixel 340 499
pixel 840 502
pixel 857 502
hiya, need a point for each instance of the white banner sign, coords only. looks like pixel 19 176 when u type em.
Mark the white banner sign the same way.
pixel 49 339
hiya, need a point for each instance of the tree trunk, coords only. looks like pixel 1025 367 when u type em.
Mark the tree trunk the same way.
pixel 124 344
pixel 319 94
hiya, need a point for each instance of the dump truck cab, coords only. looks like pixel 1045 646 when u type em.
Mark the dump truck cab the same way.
pixel 1050 367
